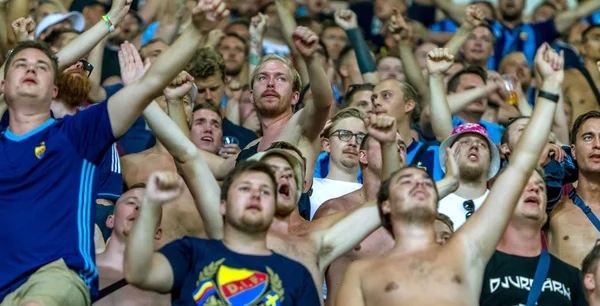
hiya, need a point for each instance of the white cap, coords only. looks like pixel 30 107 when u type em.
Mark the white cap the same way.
pixel 75 18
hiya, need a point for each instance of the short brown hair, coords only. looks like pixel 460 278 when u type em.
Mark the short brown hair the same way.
pixel 446 220
pixel 384 194
pixel 288 146
pixel 454 81
pixel 345 113
pixel 590 262
pixel 245 167
pixel 296 83
pixel 579 123
pixel 207 106
pixel 206 63
pixel 33 44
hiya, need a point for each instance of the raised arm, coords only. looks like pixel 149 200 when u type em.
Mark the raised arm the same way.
pixel 314 115
pixel 346 19
pixel 338 233
pixel 85 42
pixel 127 104
pixel 191 164
pixel 450 182
pixel 288 25
pixel 143 267
pixel 438 61
pixel 566 19
pixel 481 233
pixel 473 18
pixel 258 27
pixel 453 11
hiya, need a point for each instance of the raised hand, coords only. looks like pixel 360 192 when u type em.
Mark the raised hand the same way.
pixel 549 64
pixel 474 15
pixel 179 87
pixel 439 60
pixel 495 83
pixel 214 37
pixel 258 25
pixel 452 169
pixel 207 14
pixel 398 26
pixel 132 67
pixel 306 41
pixel 346 19
pixel 24 29
pixel 383 128
pixel 163 187
pixel 551 151
pixel 119 10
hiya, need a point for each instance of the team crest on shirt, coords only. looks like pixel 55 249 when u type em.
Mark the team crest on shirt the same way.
pixel 40 150
pixel 523 35
pixel 220 285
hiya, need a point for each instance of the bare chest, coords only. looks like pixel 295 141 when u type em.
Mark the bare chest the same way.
pixel 571 233
pixel 300 249
pixel 139 167
pixel 378 242
pixel 582 96
pixel 416 281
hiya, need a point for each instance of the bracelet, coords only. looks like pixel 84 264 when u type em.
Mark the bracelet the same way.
pixel 109 23
pixel 549 96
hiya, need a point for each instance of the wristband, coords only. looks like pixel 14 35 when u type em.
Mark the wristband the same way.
pixel 549 96
pixel 109 23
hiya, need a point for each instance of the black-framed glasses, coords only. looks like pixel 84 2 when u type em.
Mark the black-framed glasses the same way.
pixel 87 66
pixel 469 206
pixel 345 135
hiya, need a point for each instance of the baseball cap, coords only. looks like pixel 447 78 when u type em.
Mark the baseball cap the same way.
pixel 472 128
pixel 294 162
pixel 75 18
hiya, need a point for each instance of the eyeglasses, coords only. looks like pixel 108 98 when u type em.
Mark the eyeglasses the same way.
pixel 87 66
pixel 469 206
pixel 512 120
pixel 345 135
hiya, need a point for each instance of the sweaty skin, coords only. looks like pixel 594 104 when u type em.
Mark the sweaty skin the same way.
pixel 578 91
pixel 180 216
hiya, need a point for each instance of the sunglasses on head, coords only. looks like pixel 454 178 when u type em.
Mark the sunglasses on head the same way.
pixel 87 66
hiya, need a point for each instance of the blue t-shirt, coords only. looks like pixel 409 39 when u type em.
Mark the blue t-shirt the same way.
pixel 47 196
pixel 593 19
pixel 525 37
pixel 494 130
pixel 109 171
pixel 206 272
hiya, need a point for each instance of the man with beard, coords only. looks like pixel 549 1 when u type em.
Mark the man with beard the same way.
pixel 235 52
pixel 239 269
pixel 418 271
pixel 110 262
pixel 380 240
pixel 341 140
pixel 516 35
pixel 520 252
pixel 73 89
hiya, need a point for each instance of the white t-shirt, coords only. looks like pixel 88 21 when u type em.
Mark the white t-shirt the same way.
pixel 452 206
pixel 326 189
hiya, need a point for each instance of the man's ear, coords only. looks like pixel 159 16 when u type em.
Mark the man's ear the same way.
pixel 110 222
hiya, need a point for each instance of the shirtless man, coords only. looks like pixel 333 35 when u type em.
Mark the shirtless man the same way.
pixel 418 271
pixel 180 217
pixel 110 262
pixel 582 86
pixel 571 233
pixel 380 240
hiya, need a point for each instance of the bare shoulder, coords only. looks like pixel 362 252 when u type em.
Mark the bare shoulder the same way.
pixel 253 143
pixel 329 207
pixel 572 77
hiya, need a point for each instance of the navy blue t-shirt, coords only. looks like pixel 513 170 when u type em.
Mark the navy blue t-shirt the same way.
pixel 243 135
pixel 206 272
pixel 48 187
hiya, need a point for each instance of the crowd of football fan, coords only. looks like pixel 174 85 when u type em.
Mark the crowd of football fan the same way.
pixel 299 152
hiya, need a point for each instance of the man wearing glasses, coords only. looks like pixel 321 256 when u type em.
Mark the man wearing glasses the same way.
pixel 341 140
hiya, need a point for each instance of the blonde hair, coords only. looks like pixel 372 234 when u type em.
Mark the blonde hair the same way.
pixel 297 82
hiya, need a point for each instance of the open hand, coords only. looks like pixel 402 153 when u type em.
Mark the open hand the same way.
pixel 452 169
pixel 132 67
pixel 119 10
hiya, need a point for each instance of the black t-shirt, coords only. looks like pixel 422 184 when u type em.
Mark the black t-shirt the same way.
pixel 243 135
pixel 206 272
pixel 507 280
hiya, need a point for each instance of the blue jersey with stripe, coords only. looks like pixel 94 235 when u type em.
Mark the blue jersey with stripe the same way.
pixel 446 25
pixel 429 160
pixel 525 37
pixel 109 172
pixel 47 194
pixel 593 19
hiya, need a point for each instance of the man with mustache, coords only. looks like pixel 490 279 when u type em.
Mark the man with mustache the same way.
pixel 419 271
pixel 341 139
pixel 110 262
